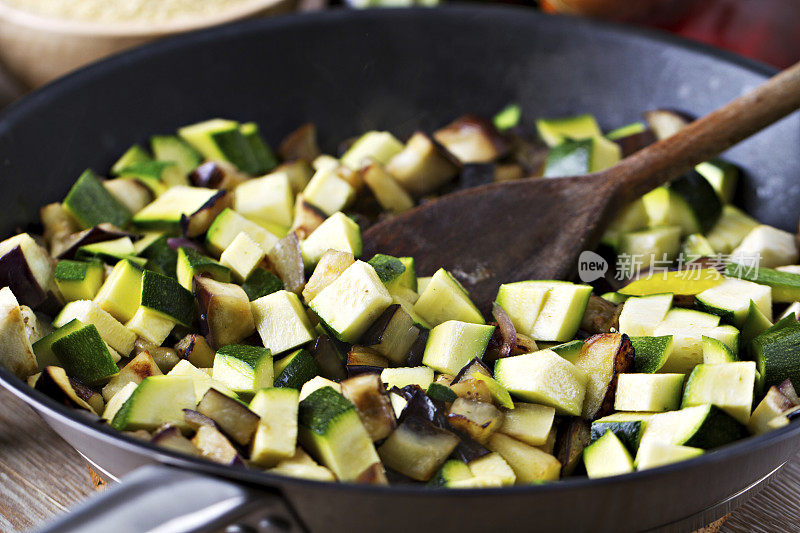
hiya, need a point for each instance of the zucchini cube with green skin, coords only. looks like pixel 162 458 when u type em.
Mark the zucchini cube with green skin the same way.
pixel 158 400
pixel 704 426
pixel 453 344
pixel 338 232
pixel 403 376
pixel 158 176
pixel 573 158
pixel 722 176
pixel 387 267
pixel 729 386
pixel 648 392
pixel 242 256
pixel 331 430
pixel 264 158
pixel 221 140
pixel 88 312
pixel 201 380
pixel 716 351
pixel 569 350
pixel 640 315
pixel 785 284
pixel 731 300
pixel 555 131
pixel 330 266
pixel 110 251
pixel 91 204
pixel 522 301
pixel 687 328
pixel 445 299
pixel 276 436
pixel 493 466
pixel 730 230
pixel 329 192
pixel 43 348
pixel 647 246
pixel 120 294
pixel 160 256
pixel 628 427
pixel 562 311
pixel 545 378
pixel 166 296
pixel 295 369
pixel 607 456
pixel 134 154
pixel 378 145
pixel 229 224
pixel 85 356
pixel 151 325
pixel 650 353
pixel 632 217
pixel 655 454
pixel 191 263
pixel 176 150
pixel 245 369
pixel 452 472
pixel 281 321
pixel 166 211
pixel 350 304
pixel 261 282
pixel 695 246
pixel 767 247
pixel 78 280
pixel 268 199
pixel 116 402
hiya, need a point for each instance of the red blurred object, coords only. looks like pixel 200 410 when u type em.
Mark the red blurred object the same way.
pixel 766 30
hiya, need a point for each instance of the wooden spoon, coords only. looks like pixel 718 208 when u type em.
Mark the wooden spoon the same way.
pixel 536 228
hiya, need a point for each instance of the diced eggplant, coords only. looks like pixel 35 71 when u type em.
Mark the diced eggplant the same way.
pixel 129 192
pixel 421 167
pixel 55 383
pixel 472 389
pixel 472 140
pixel 631 144
pixel 287 260
pixel 225 311
pixel 198 222
pixel 468 449
pixel 303 466
pixel 330 266
pixel 100 233
pixel 171 438
pixel 27 269
pixel 214 446
pixel 601 316
pixel 417 448
pixel 549 445
pixel 387 193
pixel 372 403
pixel 140 367
pixel 417 349
pixel 475 365
pixel 232 416
pixel 307 217
pixel 788 390
pixel 299 173
pixel 195 419
pixel 195 349
pixel 361 356
pixel 603 357
pixel 666 122
pixel 36 325
pixel 529 152
pixel 166 358
pixel 774 404
pixel 373 475
pixel 572 436
pixel 300 144
pixel 58 226
pixel 477 419
pixel 17 354
pixel 216 175
pixel 508 172
pixel 392 334
pixel 329 361
pixel 421 406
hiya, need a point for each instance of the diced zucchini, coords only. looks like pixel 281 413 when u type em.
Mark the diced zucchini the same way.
pixel 229 224
pixel 445 299
pixel 417 448
pixel 655 454
pixel 264 157
pixel 492 466
pixel 329 428
pixel 156 401
pixel 648 247
pixel 722 176
pixel 554 131
pixel 683 282
pixel 276 436
pixel 696 246
pixel 626 131
pixel 316 383
pixel 529 423
pixel 436 391
pixel 295 369
pixel 569 350
pixel 116 402
pixel 43 348
pixel 451 472
pixel 201 380
pixel 329 267
pixel 387 191
pixel 728 386
pixel 268 199
pixel 530 465
pixel 704 426
pixel 766 246
pixel 191 263
pixel 607 456
pixel 785 285
pixel 403 376
pixel 157 176
pixel 523 302
pixel 508 117
pixel 166 296
pixel 338 232
pixel 281 321
pixel 687 328
pixel 650 353
pixel 111 331
pixel 628 427
pixel 648 392
pixel 166 211
pixel 110 251
pixel 544 377
pixel 350 304
pixel 328 191
pixel 562 312
pixel 221 140
pixel 716 352
pixel 380 146
pixel 641 315
pixel 242 256
pixel 776 352
pixel 694 204
pixel 91 204
pixel 573 158
pixel 731 300
pixel 500 395
pixel 134 154
pixel 261 282
pixel 245 369
pixel 729 231
pixel 302 466
pixel 84 355
pixel 173 149
pixel 453 344
pixel 159 254
pixel 632 217
pixel 151 325
pixel 78 280
pixel 387 267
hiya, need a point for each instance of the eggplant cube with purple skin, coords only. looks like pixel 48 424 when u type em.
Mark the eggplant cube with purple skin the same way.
pixel 226 311
pixel 17 355
pixel 27 269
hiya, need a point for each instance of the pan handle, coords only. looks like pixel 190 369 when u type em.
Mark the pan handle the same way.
pixel 164 499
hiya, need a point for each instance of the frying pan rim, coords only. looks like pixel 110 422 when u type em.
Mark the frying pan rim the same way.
pixel 17 112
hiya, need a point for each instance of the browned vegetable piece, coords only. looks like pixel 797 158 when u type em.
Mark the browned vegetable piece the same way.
pixel 27 269
pixel 475 365
pixel 572 437
pixel 287 261
pixel 140 367
pixel 361 356
pixel 386 190
pixel 444 379
pixel 54 382
pixel 171 438
pixel 16 352
pixel 328 360
pixel 508 172
pixel 472 140
pixel 307 217
pixel 392 334
pixel 373 475
pixel 165 357
pixel 195 349
pixel 472 389
pixel 231 416
pixel 330 266
pixel 198 222
pixel 421 167
pixel 477 419
pixel 550 444
pixel 195 419
pixel 417 448
pixel 368 394
pixel 300 144
pixel 214 446
pixel 603 357
pixel 299 173
pixel 529 152
pixel 58 226
pixel 601 316
pixel 217 175
pixel 224 311
pixel 788 390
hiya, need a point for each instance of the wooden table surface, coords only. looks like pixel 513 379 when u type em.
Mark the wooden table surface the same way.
pixel 41 477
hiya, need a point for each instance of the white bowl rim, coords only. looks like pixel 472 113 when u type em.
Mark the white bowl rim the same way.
pixel 31 20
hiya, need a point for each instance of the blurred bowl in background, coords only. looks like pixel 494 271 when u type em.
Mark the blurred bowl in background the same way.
pixel 36 49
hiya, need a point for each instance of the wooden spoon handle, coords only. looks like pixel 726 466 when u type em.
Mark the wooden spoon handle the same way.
pixel 708 136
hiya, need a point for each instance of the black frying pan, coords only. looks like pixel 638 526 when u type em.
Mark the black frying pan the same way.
pixel 395 70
